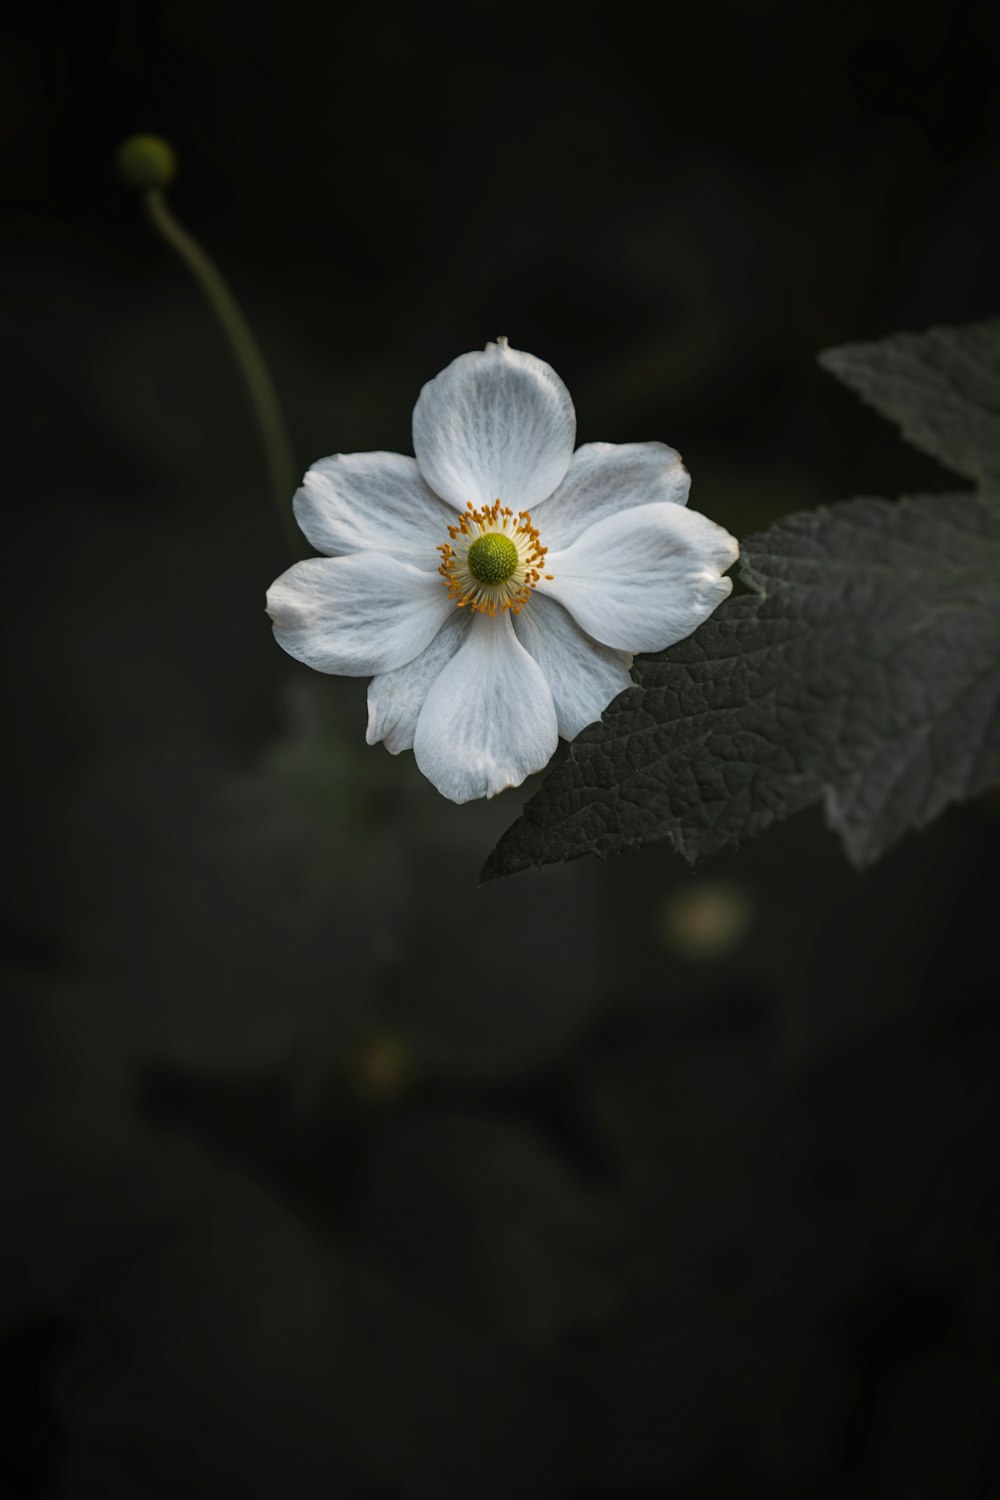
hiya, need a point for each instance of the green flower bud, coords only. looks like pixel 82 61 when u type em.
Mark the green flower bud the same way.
pixel 145 162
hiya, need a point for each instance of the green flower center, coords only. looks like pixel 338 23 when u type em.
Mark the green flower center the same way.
pixel 492 558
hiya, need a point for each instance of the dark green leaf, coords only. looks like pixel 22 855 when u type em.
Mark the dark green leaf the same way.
pixel 865 668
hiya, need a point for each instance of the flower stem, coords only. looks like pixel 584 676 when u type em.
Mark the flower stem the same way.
pixel 260 386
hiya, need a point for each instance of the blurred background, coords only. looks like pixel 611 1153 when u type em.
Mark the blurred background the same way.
pixel 326 1171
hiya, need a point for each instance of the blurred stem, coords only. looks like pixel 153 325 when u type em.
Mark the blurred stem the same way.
pixel 260 386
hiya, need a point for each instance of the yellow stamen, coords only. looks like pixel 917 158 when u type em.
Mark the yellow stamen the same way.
pixel 505 566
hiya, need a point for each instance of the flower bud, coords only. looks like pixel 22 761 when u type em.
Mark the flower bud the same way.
pixel 145 162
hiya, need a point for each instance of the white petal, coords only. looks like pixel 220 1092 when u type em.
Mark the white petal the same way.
pixel 356 615
pixel 582 676
pixel 605 478
pixel 489 720
pixel 497 425
pixel 645 578
pixel 396 698
pixel 372 502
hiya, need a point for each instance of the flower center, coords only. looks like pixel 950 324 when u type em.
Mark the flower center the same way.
pixel 494 559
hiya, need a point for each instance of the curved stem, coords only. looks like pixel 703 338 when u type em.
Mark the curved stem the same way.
pixel 260 386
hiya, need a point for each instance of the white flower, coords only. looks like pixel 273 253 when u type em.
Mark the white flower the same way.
pixel 496 587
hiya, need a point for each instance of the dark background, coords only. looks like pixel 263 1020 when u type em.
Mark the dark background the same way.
pixel 325 1171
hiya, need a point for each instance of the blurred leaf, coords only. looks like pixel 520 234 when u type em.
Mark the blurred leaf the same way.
pixel 515 1242
pixel 941 387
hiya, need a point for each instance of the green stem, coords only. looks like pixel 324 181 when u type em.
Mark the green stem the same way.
pixel 260 386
